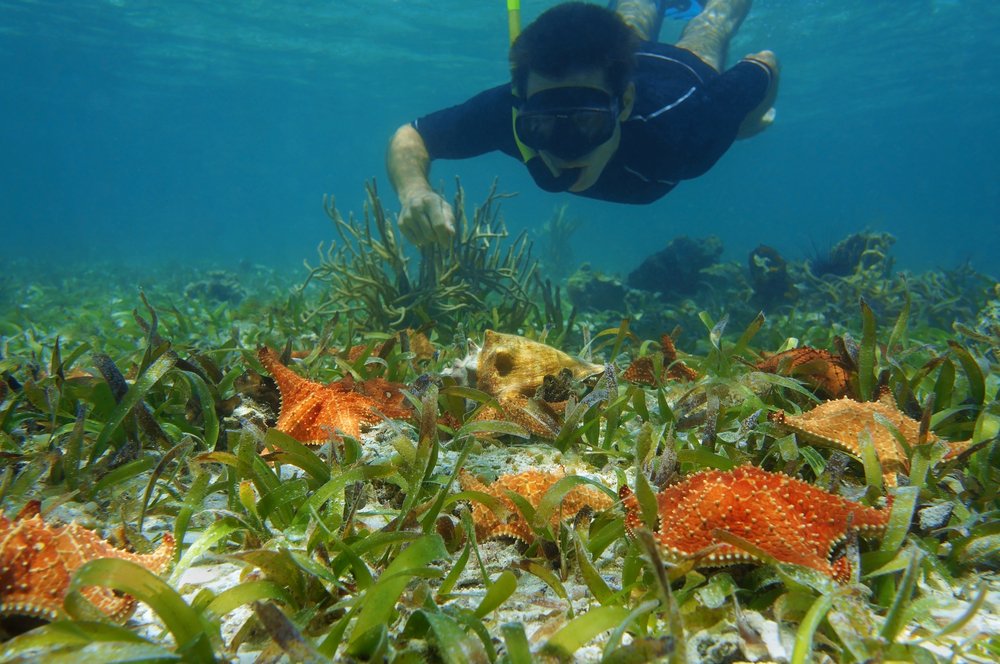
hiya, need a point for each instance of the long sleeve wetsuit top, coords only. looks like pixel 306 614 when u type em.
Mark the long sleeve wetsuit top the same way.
pixel 686 115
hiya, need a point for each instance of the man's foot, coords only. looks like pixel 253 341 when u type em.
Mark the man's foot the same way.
pixel 681 10
pixel 643 16
pixel 707 35
pixel 762 117
pixel 754 125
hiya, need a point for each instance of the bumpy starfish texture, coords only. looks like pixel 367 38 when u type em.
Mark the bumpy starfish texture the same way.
pixel 839 423
pixel 532 485
pixel 37 561
pixel 641 369
pixel 791 520
pixel 538 417
pixel 827 373
pixel 312 413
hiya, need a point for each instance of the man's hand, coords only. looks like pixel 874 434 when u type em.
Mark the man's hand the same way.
pixel 426 218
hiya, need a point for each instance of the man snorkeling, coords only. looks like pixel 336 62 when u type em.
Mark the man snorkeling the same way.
pixel 597 107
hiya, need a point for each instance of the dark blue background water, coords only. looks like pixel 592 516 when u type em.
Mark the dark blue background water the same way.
pixel 189 130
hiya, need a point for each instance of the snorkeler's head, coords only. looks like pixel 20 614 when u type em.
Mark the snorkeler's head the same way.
pixel 571 70
pixel 571 38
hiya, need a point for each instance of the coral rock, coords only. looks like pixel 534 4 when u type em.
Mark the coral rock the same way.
pixel 590 290
pixel 772 285
pixel 856 253
pixel 676 270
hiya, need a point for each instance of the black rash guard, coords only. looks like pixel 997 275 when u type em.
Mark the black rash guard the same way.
pixel 686 115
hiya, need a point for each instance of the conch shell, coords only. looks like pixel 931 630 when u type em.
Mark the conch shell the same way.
pixel 513 366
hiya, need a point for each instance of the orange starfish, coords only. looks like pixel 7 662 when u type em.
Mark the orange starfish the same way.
pixel 37 561
pixel 826 373
pixel 414 341
pixel 539 417
pixel 790 520
pixel 641 369
pixel 312 413
pixel 839 423
pixel 532 485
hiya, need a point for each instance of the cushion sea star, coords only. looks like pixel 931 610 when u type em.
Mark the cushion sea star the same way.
pixel 532 485
pixel 789 519
pixel 838 424
pixel 828 374
pixel 312 413
pixel 641 369
pixel 37 561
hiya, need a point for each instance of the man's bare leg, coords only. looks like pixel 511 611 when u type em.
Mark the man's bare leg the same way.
pixel 643 16
pixel 707 35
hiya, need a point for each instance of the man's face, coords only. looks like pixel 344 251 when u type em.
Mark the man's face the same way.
pixel 591 164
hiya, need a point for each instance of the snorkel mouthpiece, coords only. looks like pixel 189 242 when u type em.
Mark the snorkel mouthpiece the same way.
pixel 553 184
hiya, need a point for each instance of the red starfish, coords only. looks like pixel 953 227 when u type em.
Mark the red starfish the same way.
pixel 641 369
pixel 532 484
pixel 312 413
pixel 790 520
pixel 839 424
pixel 37 561
pixel 828 374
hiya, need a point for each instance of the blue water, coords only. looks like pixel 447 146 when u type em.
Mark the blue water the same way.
pixel 194 130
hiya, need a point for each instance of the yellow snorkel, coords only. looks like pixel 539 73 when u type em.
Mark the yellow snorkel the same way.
pixel 514 29
pixel 513 19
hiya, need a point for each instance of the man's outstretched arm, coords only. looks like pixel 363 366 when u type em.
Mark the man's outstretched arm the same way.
pixel 424 217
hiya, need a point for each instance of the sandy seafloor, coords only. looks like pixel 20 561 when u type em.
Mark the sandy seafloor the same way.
pixel 534 604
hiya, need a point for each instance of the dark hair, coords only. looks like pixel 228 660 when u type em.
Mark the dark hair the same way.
pixel 575 37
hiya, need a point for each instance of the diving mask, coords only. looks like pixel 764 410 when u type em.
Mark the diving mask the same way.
pixel 567 122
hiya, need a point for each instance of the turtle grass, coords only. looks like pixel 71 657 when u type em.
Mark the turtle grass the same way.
pixel 119 407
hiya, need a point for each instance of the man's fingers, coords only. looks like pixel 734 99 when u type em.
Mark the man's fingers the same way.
pixel 444 228
pixel 438 224
pixel 416 227
pixel 427 219
pixel 407 228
